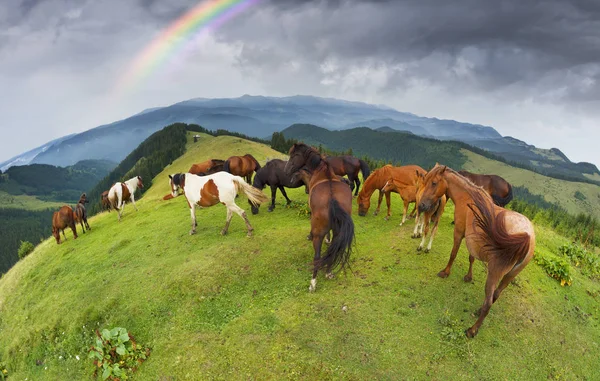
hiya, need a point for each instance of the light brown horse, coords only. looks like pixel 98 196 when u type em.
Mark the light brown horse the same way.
pixel 330 202
pixel 243 166
pixel 80 214
pixel 405 176
pixel 502 238
pixel 207 167
pixel 496 186
pixel 348 165
pixel 61 220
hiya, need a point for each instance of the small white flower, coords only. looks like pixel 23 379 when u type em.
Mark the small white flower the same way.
pixel 60 357
pixel 45 368
pixel 77 357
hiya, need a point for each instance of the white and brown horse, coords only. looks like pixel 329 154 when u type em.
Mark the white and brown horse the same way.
pixel 221 187
pixel 120 193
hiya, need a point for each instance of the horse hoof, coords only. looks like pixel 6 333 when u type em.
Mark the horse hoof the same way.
pixel 329 276
pixel 467 278
pixel 442 274
pixel 413 236
pixel 192 232
pixel 471 333
pixel 427 250
pixel 249 234
pixel 387 218
pixel 419 248
pixel 223 232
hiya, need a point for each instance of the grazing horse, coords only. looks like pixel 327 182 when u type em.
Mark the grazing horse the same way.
pixel 305 176
pixel 243 166
pixel 502 238
pixel 80 214
pixel 207 167
pixel 496 186
pixel 61 220
pixel 330 203
pixel 349 166
pixel 220 187
pixel 406 179
pixel 104 201
pixel 120 193
pixel 273 174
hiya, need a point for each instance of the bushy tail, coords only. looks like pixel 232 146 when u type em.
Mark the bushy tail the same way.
pixel 255 196
pixel 226 166
pixel 113 198
pixel 364 167
pixel 508 249
pixel 502 201
pixel 340 248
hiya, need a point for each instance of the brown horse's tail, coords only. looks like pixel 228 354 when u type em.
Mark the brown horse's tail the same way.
pixel 338 252
pixel 364 168
pixel 509 249
pixel 255 196
pixel 502 201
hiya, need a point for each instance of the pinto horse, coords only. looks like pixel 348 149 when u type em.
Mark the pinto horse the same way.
pixel 243 166
pixel 221 187
pixel 349 166
pixel 330 202
pixel 496 186
pixel 120 193
pixel 61 220
pixel 406 179
pixel 502 238
pixel 80 214
pixel 207 167
pixel 274 175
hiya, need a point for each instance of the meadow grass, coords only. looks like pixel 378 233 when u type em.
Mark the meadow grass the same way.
pixel 26 202
pixel 233 307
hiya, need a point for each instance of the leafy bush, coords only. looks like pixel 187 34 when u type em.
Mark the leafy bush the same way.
pixel 580 196
pixel 556 267
pixel 588 262
pixel 117 354
pixel 25 248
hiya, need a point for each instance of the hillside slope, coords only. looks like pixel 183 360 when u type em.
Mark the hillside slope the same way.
pixel 214 307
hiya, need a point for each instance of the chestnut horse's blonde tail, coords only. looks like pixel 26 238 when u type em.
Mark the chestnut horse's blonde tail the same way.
pixel 255 195
pixel 508 249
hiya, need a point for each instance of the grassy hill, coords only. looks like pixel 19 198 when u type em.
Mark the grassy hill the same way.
pixel 214 307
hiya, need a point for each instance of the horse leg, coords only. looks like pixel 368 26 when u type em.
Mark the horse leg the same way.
pixel 273 195
pixel 73 229
pixel 494 275
pixel 425 231
pixel 81 223
pixel 64 235
pixel 508 278
pixel 433 231
pixel 404 213
pixel 388 202
pixel 133 202
pixel 317 243
pixel 87 225
pixel 418 222
pixel 458 237
pixel 242 214
pixel 357 181
pixel 282 189
pixel 227 222
pixel 193 214
pixel 376 212
pixel 469 277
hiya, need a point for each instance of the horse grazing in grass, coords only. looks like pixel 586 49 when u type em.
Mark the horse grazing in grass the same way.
pixel 80 214
pixel 347 165
pixel 61 220
pixel 405 179
pixel 496 186
pixel 330 202
pixel 220 187
pixel 243 166
pixel 120 193
pixel 207 167
pixel 305 176
pixel 274 175
pixel 502 238
pixel 104 201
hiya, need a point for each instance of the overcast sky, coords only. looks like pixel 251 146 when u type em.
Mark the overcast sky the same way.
pixel 529 69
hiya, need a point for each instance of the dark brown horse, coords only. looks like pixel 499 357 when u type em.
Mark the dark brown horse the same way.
pixel 305 176
pixel 61 220
pixel 80 214
pixel 496 186
pixel 243 166
pixel 105 202
pixel 273 174
pixel 330 202
pixel 502 238
pixel 349 166
pixel 207 167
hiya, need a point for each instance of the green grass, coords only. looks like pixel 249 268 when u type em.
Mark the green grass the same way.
pixel 26 202
pixel 233 307
pixel 553 190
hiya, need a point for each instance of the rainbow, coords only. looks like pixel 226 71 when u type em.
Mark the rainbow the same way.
pixel 208 15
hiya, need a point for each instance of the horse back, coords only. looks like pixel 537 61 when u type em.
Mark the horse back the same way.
pixel 323 192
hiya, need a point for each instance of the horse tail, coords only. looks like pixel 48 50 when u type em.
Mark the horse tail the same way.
pixel 226 166
pixel 508 249
pixel 255 196
pixel 113 196
pixel 340 248
pixel 502 201
pixel 364 167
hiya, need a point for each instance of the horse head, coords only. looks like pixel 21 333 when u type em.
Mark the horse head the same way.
pixel 433 187
pixel 300 155
pixel 176 181
pixel 140 184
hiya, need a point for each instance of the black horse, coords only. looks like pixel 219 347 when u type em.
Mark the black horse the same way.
pixel 273 174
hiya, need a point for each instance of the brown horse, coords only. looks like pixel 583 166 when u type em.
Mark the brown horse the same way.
pixel 496 186
pixel 105 202
pixel 61 220
pixel 207 167
pixel 405 177
pixel 349 166
pixel 80 214
pixel 330 203
pixel 243 166
pixel 304 175
pixel 502 238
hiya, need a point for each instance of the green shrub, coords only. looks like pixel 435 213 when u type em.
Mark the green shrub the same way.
pixel 556 267
pixel 580 196
pixel 25 248
pixel 588 262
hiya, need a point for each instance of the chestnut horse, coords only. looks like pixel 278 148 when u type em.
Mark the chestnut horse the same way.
pixel 330 203
pixel 347 165
pixel 304 175
pixel 502 238
pixel 221 187
pixel 406 179
pixel 274 175
pixel 104 201
pixel 61 220
pixel 496 186
pixel 207 167
pixel 80 214
pixel 243 166
pixel 120 193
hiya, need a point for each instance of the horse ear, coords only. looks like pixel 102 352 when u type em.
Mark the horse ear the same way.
pixel 443 169
pixel 171 177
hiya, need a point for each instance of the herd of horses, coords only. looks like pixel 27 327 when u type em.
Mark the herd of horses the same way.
pixel 502 238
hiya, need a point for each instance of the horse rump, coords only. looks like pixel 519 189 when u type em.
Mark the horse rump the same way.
pixel 503 201
pixel 340 248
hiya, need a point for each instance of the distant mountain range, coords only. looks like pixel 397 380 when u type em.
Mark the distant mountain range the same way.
pixel 260 116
